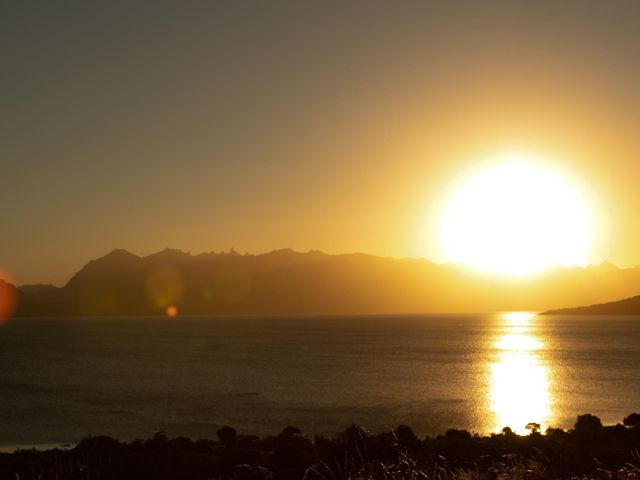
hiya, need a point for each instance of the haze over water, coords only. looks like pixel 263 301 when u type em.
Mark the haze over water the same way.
pixel 62 379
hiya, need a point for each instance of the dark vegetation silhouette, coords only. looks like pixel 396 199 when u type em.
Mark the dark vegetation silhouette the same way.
pixel 288 282
pixel 589 450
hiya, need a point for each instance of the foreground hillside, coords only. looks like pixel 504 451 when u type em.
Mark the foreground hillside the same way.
pixel 588 451
pixel 288 282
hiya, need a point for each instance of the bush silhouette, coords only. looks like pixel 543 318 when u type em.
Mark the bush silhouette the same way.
pixel 227 436
pixel 587 423
pixel 632 420
pixel 454 434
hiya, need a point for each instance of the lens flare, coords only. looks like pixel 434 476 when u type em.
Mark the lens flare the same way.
pixel 165 286
pixel 8 298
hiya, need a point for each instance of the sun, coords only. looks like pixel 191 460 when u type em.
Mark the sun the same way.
pixel 516 215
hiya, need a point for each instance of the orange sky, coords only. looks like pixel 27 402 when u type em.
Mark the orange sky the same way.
pixel 330 126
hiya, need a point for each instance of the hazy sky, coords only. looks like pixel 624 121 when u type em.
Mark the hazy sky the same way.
pixel 312 125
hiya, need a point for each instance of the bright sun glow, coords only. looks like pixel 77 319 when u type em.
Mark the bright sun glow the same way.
pixel 516 216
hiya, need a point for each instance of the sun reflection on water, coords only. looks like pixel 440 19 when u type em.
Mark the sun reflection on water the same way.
pixel 519 383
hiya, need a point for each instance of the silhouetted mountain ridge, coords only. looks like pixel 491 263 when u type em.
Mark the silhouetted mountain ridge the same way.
pixel 289 282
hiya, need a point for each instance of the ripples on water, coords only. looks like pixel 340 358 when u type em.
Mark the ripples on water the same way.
pixel 519 390
pixel 62 379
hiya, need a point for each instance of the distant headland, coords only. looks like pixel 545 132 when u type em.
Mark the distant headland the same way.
pixel 627 306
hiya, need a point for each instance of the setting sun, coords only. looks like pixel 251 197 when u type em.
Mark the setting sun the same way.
pixel 516 216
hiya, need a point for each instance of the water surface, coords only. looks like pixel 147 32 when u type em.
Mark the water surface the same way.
pixel 62 379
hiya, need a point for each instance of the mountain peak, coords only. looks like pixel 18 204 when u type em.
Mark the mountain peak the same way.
pixel 119 253
pixel 169 254
pixel 281 252
pixel 116 260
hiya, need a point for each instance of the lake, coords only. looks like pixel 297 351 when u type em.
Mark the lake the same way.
pixel 65 378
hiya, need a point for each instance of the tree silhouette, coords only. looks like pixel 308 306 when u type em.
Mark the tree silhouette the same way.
pixel 227 436
pixel 533 427
pixel 632 420
pixel 587 423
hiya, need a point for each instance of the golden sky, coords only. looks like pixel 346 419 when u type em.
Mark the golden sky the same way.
pixel 333 125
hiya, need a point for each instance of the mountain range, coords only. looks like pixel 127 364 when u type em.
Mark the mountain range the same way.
pixel 289 282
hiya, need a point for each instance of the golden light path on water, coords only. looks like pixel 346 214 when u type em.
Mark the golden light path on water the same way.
pixel 519 376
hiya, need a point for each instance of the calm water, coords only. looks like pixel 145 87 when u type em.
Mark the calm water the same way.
pixel 62 379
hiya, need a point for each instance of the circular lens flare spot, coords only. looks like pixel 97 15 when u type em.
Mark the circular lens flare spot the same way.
pixel 165 286
pixel 8 299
